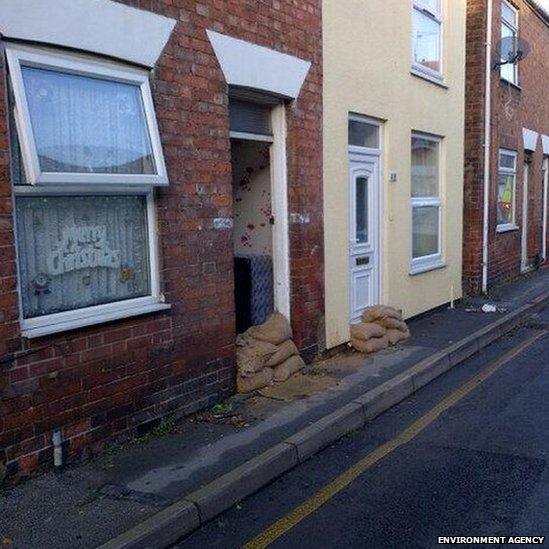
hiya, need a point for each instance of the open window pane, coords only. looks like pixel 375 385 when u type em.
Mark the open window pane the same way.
pixel 426 32
pixel 432 5
pixel 87 125
pixel 79 251
pixel 506 184
pixel 508 14
pixel 425 222
pixel 361 210
pixel 425 167
pixel 363 134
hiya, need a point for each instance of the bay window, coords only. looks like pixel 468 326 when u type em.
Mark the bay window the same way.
pixel 507 175
pixel 86 157
pixel 427 37
pixel 426 203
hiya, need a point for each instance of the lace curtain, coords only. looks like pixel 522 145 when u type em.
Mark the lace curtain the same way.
pixel 79 251
pixel 87 125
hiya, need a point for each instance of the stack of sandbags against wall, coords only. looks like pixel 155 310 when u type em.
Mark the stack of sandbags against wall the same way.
pixel 266 353
pixel 380 327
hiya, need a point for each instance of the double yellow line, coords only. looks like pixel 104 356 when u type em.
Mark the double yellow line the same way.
pixel 286 523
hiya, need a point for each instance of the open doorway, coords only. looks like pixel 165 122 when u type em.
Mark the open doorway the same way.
pixel 260 206
pixel 253 232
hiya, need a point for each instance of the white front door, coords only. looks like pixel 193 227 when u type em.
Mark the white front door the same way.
pixel 364 210
pixel 524 233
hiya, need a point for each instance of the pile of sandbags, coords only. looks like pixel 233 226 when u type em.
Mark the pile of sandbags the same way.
pixel 266 353
pixel 380 327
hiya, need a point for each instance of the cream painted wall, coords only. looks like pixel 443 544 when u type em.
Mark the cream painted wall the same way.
pixel 367 61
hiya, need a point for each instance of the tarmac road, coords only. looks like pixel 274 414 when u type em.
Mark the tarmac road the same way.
pixel 465 456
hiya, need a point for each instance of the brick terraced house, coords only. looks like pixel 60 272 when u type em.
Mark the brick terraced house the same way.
pixel 506 141
pixel 148 148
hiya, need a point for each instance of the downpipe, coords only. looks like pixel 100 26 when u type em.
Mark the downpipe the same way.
pixel 487 144
pixel 57 441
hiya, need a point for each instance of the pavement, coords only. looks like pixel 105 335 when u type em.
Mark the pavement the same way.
pixel 188 471
pixel 479 468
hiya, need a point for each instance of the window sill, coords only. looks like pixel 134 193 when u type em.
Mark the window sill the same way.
pixel 427 267
pixel 430 78
pixel 506 228
pixel 47 325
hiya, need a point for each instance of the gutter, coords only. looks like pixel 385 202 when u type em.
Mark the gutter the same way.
pixel 487 144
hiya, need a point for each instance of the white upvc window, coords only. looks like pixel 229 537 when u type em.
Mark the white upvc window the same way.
pixel 507 180
pixel 426 203
pixel 81 121
pixel 427 32
pixel 509 38
pixel 86 156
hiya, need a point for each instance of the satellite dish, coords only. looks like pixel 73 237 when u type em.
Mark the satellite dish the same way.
pixel 511 50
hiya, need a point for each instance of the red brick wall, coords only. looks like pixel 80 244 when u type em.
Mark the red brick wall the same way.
pixel 111 379
pixel 474 135
pixel 512 109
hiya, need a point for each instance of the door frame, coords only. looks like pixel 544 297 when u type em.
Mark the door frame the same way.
pixel 279 204
pixel 524 222
pixel 545 199
pixel 356 156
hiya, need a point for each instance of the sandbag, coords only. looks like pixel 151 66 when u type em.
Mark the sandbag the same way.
pixel 371 314
pixel 289 367
pixel 254 382
pixel 371 346
pixel 393 324
pixel 284 352
pixel 254 356
pixel 395 336
pixel 367 330
pixel 275 330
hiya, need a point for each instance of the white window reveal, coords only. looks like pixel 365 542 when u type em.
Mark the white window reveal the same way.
pixel 426 203
pixel 507 175
pixel 86 157
pixel 83 122
pixel 509 39
pixel 427 23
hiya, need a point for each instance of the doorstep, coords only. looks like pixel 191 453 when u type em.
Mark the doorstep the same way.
pixel 152 492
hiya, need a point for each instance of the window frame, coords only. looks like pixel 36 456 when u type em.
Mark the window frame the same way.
pixel 66 184
pixel 96 314
pixel 434 261
pixel 514 28
pixel 504 227
pixel 418 68
pixel 78 64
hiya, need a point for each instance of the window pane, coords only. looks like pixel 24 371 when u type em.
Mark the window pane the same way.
pixel 78 251
pixel 505 199
pixel 87 125
pixel 507 161
pixel 425 170
pixel 362 134
pixel 245 116
pixel 426 41
pixel 361 210
pixel 425 231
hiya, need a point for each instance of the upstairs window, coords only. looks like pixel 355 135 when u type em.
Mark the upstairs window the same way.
pixel 509 39
pixel 427 37
pixel 86 157
pixel 84 122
